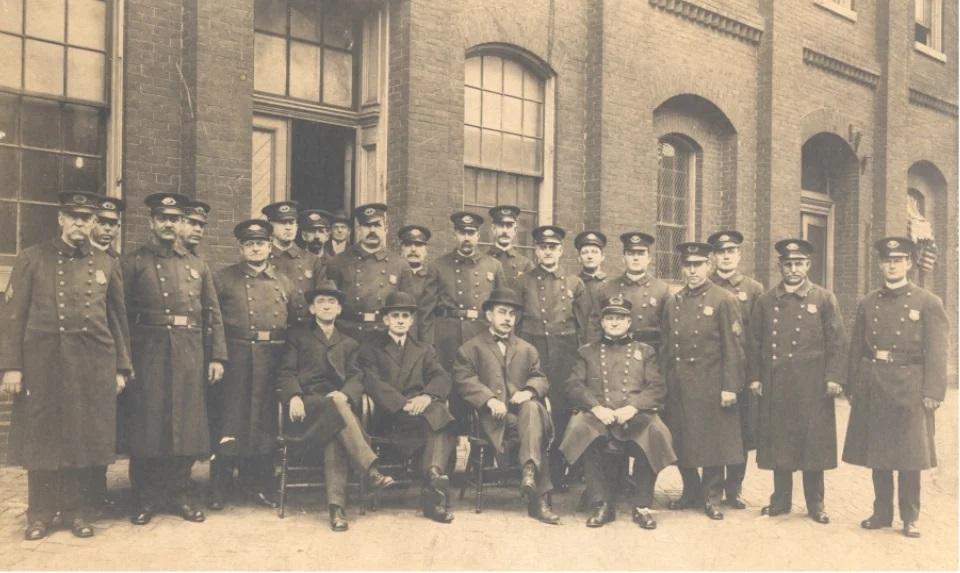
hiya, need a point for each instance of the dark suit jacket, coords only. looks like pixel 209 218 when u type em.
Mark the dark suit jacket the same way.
pixel 391 376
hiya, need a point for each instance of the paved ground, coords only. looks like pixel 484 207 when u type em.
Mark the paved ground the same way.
pixel 502 537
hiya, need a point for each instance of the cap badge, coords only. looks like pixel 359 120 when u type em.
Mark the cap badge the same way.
pixel 369 211
pixel 314 217
pixel 693 249
pixel 724 238
pixel 284 208
pixel 793 246
pixel 893 244
pixel 168 201
pixel 592 237
pixel 635 239
pixel 616 300
pixel 255 227
pixel 108 205
pixel 79 199
pixel 548 232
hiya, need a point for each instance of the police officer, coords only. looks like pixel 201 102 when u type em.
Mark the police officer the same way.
pixel 64 356
pixel 424 280
pixel 726 274
pixel 897 378
pixel 557 314
pixel 254 299
pixel 366 273
pixel 590 245
pixel 194 224
pixel 467 277
pixel 314 225
pixel 303 270
pixel 340 228
pixel 171 301
pixel 504 226
pixel 796 345
pixel 702 356
pixel 646 293
pixel 617 387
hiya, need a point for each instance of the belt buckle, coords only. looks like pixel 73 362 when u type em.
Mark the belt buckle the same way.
pixel 369 317
pixel 263 335
pixel 179 320
pixel 472 313
pixel 883 356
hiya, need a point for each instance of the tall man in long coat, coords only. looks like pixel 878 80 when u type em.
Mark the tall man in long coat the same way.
pixel 796 343
pixel 254 301
pixel 171 302
pixel 409 388
pixel 702 356
pixel 726 274
pixel 318 381
pixel 499 375
pixel 503 223
pixel 424 282
pixel 64 356
pixel 617 387
pixel 590 245
pixel 896 379
pixel 557 315
pixel 301 267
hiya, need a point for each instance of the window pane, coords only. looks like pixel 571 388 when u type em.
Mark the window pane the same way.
pixel 9 172
pixel 487 188
pixel 472 72
pixel 490 143
pixel 371 58
pixel 532 155
pixel 532 123
pixel 11 62
pixel 11 16
pixel 532 87
pixel 40 121
pixel 41 176
pixel 507 189
pixel 9 124
pixel 8 228
pixel 305 20
pixel 337 77
pixel 38 223
pixel 85 74
pixel 82 174
pixel 512 152
pixel 491 110
pixel 82 130
pixel 270 15
pixel 469 186
pixel 471 145
pixel 526 223
pixel 471 106
pixel 270 64
pixel 45 19
pixel 512 78
pixel 304 71
pixel 527 193
pixel 337 26
pixel 492 73
pixel 87 23
pixel 512 115
pixel 44 71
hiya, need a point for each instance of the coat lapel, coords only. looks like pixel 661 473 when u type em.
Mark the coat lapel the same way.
pixel 334 351
pixel 412 351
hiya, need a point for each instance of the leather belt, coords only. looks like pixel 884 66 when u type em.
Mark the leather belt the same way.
pixel 234 333
pixel 469 314
pixel 891 357
pixel 160 319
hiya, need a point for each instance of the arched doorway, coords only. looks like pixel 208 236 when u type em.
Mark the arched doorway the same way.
pixel 927 217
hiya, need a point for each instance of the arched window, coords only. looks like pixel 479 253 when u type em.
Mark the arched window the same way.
pixel 676 202
pixel 504 139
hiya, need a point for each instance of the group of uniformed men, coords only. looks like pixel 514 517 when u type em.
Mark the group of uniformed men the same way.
pixel 153 355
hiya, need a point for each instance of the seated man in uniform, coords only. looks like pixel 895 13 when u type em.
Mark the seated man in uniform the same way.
pixel 410 388
pixel 499 374
pixel 618 410
pixel 318 381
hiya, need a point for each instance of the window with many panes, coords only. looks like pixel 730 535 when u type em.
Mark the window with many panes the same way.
pixel 928 21
pixel 503 151
pixel 676 203
pixel 53 111
pixel 304 50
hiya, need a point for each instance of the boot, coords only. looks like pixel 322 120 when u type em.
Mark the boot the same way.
pixel 540 509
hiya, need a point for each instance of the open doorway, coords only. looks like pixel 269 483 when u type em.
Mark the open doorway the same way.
pixel 321 165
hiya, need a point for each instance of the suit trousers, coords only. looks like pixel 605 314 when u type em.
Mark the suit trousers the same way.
pixel 414 433
pixel 707 489
pixel 161 480
pixel 604 473
pixel 733 482
pixel 908 494
pixel 524 427
pixel 813 489
pixel 95 485
pixel 349 446
pixel 50 491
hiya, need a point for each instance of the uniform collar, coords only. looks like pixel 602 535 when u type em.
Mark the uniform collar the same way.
pixel 643 281
pixel 165 250
pixel 80 251
pixel 597 276
pixel 496 251
pixel 802 291
pixel 419 271
pixel 461 258
pixel 250 272
pixel 699 291
pixel 733 280
pixel 557 272
pixel 899 290
pixel 623 340
pixel 294 252
pixel 362 253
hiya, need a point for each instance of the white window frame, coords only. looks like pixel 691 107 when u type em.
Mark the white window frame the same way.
pixel 933 49
pixel 692 151
pixel 843 8
pixel 821 204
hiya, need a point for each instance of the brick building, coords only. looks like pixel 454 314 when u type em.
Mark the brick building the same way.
pixel 836 119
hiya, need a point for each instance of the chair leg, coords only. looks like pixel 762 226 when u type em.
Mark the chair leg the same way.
pixel 363 494
pixel 283 481
pixel 479 503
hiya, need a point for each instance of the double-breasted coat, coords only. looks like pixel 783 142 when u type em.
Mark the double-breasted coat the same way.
pixel 424 284
pixel 65 329
pixel 305 271
pixel 898 352
pixel 796 344
pixel 747 290
pixel 515 264
pixel 482 372
pixel 366 279
pixel 702 353
pixel 594 283
pixel 171 300
pixel 648 296
pixel 311 367
pixel 615 374
pixel 243 407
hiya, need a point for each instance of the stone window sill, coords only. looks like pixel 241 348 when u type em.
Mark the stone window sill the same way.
pixel 845 13
pixel 930 52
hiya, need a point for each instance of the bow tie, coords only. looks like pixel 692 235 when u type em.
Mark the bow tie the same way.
pixel 503 339
pixel 616 341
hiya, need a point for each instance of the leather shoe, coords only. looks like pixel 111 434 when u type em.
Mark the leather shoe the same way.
pixel 143 515
pixel 910 529
pixel 735 502
pixel 81 528
pixel 377 480
pixel 35 531
pixel 264 499
pixel 338 520
pixel 215 503
pixel 874 522
pixel 820 517
pixel 541 510
pixel 643 518
pixel 528 480
pixel 602 514
pixel 712 512
pixel 774 511
pixel 682 503
pixel 190 513
pixel 437 513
